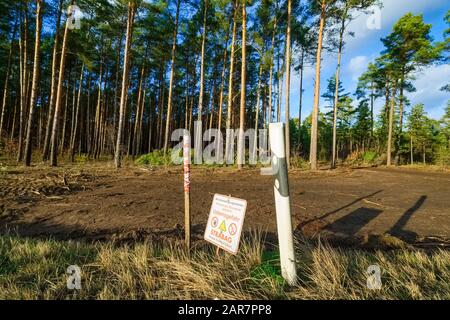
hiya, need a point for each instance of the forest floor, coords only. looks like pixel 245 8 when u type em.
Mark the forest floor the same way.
pixel 362 207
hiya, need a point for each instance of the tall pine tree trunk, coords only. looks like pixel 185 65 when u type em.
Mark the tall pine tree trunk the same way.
pixel 401 111
pixel 241 142
pixel 172 72
pixel 98 109
pixel 272 53
pixel 258 99
pixel 280 74
pixel 424 154
pixel 116 91
pixel 53 86
pixel 77 112
pixel 222 80
pixel 300 103
pixel 336 90
pixel 150 123
pixel 66 110
pixel 123 96
pixel 211 102
pixel 13 125
pixel 315 115
pixel 24 79
pixel 391 125
pixel 229 135
pixel 59 93
pixel 36 67
pixel 288 83
pixel 6 86
pixel 372 123
pixel 140 123
pixel 161 112
pixel 202 65
pixel 141 96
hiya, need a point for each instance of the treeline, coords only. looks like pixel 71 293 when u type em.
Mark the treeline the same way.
pixel 400 133
pixel 132 71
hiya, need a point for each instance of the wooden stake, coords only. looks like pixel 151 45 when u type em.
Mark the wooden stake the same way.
pixel 217 252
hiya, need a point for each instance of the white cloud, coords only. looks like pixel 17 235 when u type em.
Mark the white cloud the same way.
pixel 391 11
pixel 428 84
pixel 357 66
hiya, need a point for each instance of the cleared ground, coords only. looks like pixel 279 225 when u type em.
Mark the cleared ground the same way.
pixel 98 202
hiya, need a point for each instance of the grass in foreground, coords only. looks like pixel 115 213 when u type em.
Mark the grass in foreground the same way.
pixel 36 269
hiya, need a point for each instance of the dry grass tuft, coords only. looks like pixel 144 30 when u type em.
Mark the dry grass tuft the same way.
pixel 36 269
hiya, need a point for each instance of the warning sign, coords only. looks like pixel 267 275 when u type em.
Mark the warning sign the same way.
pixel 225 222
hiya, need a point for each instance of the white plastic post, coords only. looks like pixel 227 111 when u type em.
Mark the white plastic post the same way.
pixel 187 187
pixel 282 202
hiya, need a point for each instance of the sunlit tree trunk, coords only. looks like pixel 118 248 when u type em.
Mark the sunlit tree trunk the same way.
pixel 212 97
pixel 230 85
pixel 424 154
pixel 288 84
pixel 36 67
pixel 172 72
pixel 222 81
pixel 401 111
pixel 300 103
pixel 372 123
pixel 264 107
pixel 53 86
pixel 6 86
pixel 140 123
pixel 13 126
pixel 150 123
pixel 241 142
pixel 98 107
pixel 202 66
pixel 336 90
pixel 88 115
pixel 123 96
pixel 116 91
pixel 272 53
pixel 158 104
pixel 40 123
pixel 77 112
pixel 161 111
pixel 258 99
pixel 391 124
pixel 66 110
pixel 315 115
pixel 54 138
pixel 138 111
pixel 280 73
pixel 24 79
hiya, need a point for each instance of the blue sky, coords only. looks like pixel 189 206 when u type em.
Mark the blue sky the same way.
pixel 365 46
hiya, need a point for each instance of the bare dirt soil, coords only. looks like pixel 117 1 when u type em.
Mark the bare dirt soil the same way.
pixel 100 203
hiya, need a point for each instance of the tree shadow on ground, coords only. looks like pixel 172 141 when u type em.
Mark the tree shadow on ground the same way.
pixel 305 223
pixel 349 226
pixel 397 229
pixel 45 230
pixel 352 223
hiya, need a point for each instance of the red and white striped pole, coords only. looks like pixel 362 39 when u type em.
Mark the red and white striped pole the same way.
pixel 187 188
